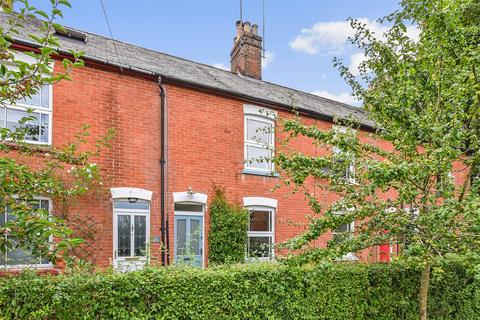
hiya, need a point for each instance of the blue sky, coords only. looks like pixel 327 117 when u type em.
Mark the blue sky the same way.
pixel 302 36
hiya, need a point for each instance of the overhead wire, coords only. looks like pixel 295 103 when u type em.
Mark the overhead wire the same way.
pixel 111 33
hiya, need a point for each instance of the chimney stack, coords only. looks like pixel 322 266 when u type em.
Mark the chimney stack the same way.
pixel 246 55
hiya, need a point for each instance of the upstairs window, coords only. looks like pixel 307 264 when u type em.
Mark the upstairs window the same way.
pixel 21 257
pixel 38 129
pixel 344 163
pixel 259 140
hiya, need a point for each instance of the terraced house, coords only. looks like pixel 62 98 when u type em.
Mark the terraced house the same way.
pixel 181 126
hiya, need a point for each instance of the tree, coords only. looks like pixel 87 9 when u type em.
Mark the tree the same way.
pixel 30 170
pixel 422 192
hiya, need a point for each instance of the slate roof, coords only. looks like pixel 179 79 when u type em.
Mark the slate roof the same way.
pixel 174 68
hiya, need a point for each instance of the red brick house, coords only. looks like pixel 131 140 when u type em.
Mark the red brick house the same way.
pixel 181 126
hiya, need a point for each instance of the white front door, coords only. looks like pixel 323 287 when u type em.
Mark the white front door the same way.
pixel 131 231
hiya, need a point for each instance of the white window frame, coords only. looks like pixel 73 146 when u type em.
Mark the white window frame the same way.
pixel 265 116
pixel 48 265
pixel 270 234
pixel 35 109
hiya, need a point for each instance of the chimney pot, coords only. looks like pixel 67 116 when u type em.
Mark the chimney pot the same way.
pixel 239 30
pixel 246 27
pixel 255 29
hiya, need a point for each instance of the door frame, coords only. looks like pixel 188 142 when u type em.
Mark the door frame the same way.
pixel 132 213
pixel 194 214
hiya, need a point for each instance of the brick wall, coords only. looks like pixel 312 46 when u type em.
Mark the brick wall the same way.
pixel 205 147
pixel 130 104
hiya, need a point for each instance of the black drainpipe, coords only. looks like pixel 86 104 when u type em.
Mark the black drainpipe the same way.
pixel 163 216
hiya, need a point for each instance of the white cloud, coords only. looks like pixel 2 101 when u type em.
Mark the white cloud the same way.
pixel 269 58
pixel 332 37
pixel 355 60
pixel 220 66
pixel 344 97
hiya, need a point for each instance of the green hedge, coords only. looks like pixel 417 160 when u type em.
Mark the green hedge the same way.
pixel 227 237
pixel 252 291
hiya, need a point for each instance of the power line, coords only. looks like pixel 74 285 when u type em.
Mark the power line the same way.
pixel 263 28
pixel 111 33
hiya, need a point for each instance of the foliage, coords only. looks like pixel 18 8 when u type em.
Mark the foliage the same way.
pixel 227 237
pixel 60 173
pixel 423 95
pixel 251 291
pixel 20 79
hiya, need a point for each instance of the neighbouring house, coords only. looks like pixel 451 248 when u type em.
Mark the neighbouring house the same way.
pixel 181 126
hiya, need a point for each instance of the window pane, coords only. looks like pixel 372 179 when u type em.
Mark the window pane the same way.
pixel 188 207
pixel 33 100
pixel 2 218
pixel 181 236
pixel 19 256
pixel 45 96
pixel 124 235
pixel 259 131
pixel 259 247
pixel 342 232
pixel 140 237
pixel 343 164
pixel 22 256
pixel 31 127
pixel 343 228
pixel 44 204
pixel 260 221
pixel 125 204
pixel 40 99
pixel 2 117
pixel 44 128
pixel 256 158
pixel 10 215
pixel 195 237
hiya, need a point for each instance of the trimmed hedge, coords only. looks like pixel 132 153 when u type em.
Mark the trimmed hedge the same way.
pixel 252 291
pixel 227 237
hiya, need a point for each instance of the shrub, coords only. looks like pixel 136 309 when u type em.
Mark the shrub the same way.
pixel 228 230
pixel 249 291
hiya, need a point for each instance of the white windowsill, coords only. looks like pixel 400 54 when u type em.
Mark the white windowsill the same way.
pixel 348 257
pixel 260 173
